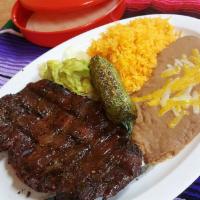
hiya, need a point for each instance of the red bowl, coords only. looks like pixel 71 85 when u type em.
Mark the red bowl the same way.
pixel 20 16
pixel 59 6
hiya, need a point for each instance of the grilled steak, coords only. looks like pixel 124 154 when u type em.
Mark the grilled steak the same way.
pixel 61 142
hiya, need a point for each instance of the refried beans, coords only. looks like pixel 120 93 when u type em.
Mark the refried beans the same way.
pixel 151 131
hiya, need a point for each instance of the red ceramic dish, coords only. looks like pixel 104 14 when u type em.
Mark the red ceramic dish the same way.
pixel 59 6
pixel 20 16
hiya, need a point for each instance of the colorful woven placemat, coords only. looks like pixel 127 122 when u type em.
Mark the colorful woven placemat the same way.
pixel 16 52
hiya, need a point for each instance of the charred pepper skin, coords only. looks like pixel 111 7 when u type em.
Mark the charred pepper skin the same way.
pixel 118 105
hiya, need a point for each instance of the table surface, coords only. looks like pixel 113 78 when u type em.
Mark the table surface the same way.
pixel 5 10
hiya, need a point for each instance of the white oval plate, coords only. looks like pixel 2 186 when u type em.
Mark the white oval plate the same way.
pixel 162 182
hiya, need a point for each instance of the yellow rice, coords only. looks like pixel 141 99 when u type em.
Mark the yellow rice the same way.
pixel 133 48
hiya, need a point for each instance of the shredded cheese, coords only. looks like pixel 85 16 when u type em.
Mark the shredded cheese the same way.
pixel 133 48
pixel 179 93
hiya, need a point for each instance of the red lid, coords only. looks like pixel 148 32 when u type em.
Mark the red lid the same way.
pixel 58 5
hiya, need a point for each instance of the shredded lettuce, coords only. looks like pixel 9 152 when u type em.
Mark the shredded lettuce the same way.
pixel 73 52
pixel 72 73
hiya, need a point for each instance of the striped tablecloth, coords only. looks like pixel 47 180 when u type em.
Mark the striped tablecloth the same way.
pixel 16 52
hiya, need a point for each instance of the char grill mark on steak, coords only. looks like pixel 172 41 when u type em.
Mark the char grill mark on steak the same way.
pixel 9 128
pixel 82 108
pixel 61 142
